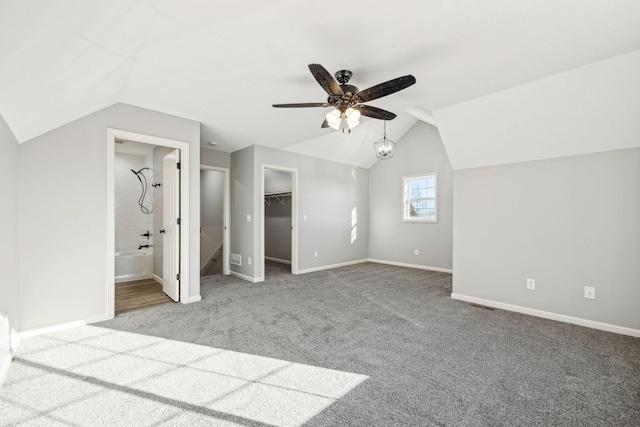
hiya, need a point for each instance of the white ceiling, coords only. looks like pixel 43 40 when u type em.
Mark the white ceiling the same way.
pixel 224 63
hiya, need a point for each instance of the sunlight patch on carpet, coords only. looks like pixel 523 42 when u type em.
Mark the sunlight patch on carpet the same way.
pixel 98 376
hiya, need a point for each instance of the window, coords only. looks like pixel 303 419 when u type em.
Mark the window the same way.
pixel 420 198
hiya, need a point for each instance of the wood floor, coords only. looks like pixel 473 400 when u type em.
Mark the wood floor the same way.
pixel 139 294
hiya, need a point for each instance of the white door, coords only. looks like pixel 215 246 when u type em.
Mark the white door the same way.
pixel 171 225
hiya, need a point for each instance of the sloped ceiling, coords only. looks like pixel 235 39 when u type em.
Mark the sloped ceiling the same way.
pixel 589 109
pixel 224 63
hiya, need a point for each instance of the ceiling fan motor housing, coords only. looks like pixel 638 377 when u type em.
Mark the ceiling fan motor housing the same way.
pixel 349 89
pixel 343 76
pixel 342 102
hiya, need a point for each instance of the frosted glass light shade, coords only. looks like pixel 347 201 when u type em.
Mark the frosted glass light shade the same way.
pixel 352 114
pixel 333 117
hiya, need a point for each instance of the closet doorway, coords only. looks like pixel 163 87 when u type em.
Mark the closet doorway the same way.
pixel 279 221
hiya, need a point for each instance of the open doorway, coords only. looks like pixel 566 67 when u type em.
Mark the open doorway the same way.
pixel 214 216
pixel 147 254
pixel 279 221
pixel 138 217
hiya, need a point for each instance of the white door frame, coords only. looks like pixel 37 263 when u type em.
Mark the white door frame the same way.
pixel 294 216
pixel 226 236
pixel 112 135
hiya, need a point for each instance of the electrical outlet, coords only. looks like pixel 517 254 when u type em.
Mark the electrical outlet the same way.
pixel 531 284
pixel 248 217
pixel 416 252
pixel 235 259
pixel 590 292
pixel 249 260
pixel 315 254
pixel 304 218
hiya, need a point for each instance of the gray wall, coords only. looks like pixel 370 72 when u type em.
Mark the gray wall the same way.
pixel 8 224
pixel 211 157
pixel 63 215
pixel 567 223
pixel 158 201
pixel 211 212
pixel 419 151
pixel 277 229
pixel 328 192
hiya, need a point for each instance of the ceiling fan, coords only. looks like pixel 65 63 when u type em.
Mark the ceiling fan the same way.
pixel 347 99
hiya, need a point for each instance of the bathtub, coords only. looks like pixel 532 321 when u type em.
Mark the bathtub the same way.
pixel 134 265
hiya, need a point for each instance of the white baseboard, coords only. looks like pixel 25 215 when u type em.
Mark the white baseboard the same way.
pixel 551 316
pixel 329 267
pixel 281 261
pixel 50 329
pixel 158 279
pixel 5 363
pixel 247 278
pixel 9 342
pixel 404 264
pixel 192 299
pixel 62 326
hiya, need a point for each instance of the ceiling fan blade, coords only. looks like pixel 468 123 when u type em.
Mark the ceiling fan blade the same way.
pixel 376 113
pixel 384 89
pixel 326 80
pixel 325 124
pixel 303 105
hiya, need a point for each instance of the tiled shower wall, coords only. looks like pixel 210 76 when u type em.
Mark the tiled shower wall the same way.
pixel 131 222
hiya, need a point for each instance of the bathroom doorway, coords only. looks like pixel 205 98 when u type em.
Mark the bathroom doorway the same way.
pixel 138 217
pixel 152 250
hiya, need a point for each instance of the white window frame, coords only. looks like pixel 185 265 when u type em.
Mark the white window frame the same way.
pixel 406 199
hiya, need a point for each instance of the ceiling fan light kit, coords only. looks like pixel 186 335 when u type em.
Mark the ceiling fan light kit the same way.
pixel 340 120
pixel 347 99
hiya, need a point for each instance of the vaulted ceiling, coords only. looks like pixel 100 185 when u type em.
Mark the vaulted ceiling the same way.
pixel 490 74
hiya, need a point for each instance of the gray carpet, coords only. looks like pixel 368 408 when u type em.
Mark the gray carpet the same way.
pixel 430 360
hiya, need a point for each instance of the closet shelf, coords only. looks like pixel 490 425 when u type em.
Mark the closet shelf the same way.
pixel 278 196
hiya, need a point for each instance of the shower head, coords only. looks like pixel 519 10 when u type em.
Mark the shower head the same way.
pixel 139 170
